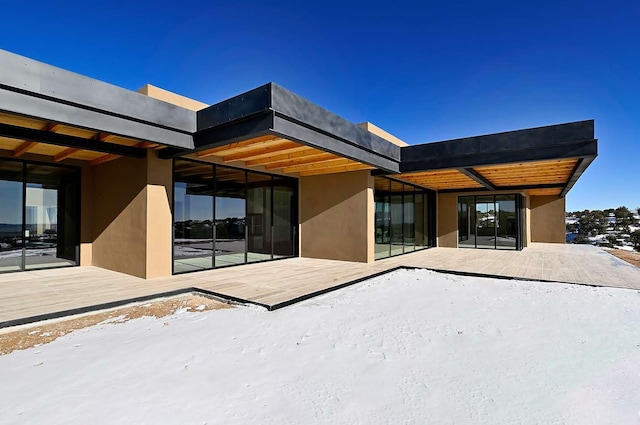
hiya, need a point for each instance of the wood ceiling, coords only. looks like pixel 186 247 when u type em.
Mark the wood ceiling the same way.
pixel 516 175
pixel 19 147
pixel 275 154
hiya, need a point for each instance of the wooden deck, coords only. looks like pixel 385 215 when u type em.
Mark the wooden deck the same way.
pixel 33 295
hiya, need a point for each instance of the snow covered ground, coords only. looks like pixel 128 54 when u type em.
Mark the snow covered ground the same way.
pixel 411 347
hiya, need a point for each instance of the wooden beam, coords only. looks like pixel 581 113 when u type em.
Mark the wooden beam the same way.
pixel 309 159
pixel 235 146
pixel 319 165
pixel 24 148
pixel 66 141
pixel 257 155
pixel 477 177
pixel 262 151
pixel 52 127
pixel 342 169
pixel 102 137
pixel 104 158
pixel 64 154
pixel 277 158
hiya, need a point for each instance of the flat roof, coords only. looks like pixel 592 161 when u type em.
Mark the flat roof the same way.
pixel 271 128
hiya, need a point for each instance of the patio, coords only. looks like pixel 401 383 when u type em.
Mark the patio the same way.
pixel 37 295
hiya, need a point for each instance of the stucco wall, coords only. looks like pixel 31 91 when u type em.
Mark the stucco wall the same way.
pixel 336 216
pixel 447 220
pixel 159 218
pixel 547 219
pixel 119 216
pixel 131 216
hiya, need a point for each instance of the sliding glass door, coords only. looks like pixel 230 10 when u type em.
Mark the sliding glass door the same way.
pixel 226 216
pixel 403 217
pixel 39 216
pixel 489 222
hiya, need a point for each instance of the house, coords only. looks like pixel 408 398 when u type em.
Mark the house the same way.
pixel 151 183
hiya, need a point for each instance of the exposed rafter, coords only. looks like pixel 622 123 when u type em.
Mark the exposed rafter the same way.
pixel 65 154
pixel 57 139
pixel 477 177
pixel 23 148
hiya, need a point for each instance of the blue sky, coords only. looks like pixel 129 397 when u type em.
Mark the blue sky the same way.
pixel 424 71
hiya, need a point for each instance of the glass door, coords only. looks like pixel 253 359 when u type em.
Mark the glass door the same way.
pixel 51 211
pixel 11 216
pixel 485 222
pixel 507 222
pixel 489 222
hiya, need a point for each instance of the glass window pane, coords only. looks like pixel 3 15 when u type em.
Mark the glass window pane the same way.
pixel 285 217
pixel 192 215
pixel 485 222
pixel 408 222
pixel 51 216
pixel 230 210
pixel 396 214
pixel 506 221
pixel 421 222
pixel 10 216
pixel 382 217
pixel 466 222
pixel 258 217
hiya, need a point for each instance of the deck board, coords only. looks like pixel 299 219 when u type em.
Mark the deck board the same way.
pixel 275 283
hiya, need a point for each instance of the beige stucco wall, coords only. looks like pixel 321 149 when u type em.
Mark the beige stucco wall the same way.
pixel 170 97
pixel 547 219
pixel 447 220
pixel 371 128
pixel 337 216
pixel 131 216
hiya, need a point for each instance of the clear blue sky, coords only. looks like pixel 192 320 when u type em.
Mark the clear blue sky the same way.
pixel 424 71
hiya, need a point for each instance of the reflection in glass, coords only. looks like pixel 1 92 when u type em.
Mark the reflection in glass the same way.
pixel 507 224
pixel 485 222
pixel 284 217
pixel 51 206
pixel 466 222
pixel 408 222
pixel 382 217
pixel 10 216
pixel 230 210
pixel 488 222
pixel 401 217
pixel 193 212
pixel 258 217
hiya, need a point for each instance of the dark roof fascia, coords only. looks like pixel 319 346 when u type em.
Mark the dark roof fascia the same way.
pixel 294 118
pixel 39 90
pixel 570 140
pixel 580 167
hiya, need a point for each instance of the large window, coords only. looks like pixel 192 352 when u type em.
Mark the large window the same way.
pixel 225 216
pixel 39 215
pixel 403 218
pixel 490 221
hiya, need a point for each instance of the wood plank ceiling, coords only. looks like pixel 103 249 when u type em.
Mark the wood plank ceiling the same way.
pixel 515 175
pixel 274 154
pixel 18 147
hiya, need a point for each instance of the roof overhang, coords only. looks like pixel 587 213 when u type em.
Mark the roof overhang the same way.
pixel 34 89
pixel 273 111
pixel 542 160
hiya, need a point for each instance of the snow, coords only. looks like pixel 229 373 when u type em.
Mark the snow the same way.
pixel 408 347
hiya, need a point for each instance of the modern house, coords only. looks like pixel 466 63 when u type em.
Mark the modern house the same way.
pixel 151 183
